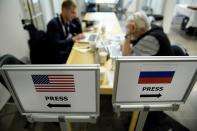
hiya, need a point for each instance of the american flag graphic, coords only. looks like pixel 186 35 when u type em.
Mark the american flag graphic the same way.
pixel 54 83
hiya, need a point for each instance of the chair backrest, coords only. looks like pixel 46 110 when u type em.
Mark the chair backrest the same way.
pixel 38 45
pixel 184 22
pixel 4 96
pixel 91 7
pixel 7 60
pixel 179 51
pixel 4 93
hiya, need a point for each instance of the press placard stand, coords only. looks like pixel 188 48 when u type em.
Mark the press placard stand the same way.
pixel 141 85
pixel 64 121
pixel 64 125
pixel 144 110
pixel 69 92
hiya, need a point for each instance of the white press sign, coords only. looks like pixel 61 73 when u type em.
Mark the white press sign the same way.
pixel 55 89
pixel 154 79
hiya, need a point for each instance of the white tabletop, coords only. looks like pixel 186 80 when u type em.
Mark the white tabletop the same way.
pixel 103 1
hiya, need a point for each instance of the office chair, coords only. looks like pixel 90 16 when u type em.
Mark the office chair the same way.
pixel 188 30
pixel 179 51
pixel 7 60
pixel 4 93
pixel 184 23
pixel 90 6
pixel 40 50
pixel 121 8
pixel 4 96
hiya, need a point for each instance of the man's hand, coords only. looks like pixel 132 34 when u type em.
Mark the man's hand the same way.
pixel 131 28
pixel 78 37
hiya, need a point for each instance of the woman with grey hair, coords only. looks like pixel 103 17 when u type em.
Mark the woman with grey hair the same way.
pixel 143 40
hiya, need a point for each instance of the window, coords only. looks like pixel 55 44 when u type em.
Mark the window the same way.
pixel 32 10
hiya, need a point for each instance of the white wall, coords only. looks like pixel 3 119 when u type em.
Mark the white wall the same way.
pixel 46 10
pixel 133 7
pixel 157 6
pixel 13 38
pixel 57 6
pixel 187 2
pixel 139 4
pixel 168 14
pixel 80 6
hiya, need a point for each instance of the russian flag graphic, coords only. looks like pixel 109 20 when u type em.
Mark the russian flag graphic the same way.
pixel 155 77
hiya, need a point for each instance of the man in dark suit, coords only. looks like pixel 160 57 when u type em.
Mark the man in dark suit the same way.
pixel 63 31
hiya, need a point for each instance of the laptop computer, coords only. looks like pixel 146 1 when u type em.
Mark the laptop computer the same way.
pixel 114 50
pixel 89 37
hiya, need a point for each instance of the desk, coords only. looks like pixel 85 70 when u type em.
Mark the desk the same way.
pixel 184 10
pixel 110 21
pixel 102 2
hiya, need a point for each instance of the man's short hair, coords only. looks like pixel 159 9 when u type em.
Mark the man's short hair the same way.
pixel 67 4
pixel 141 20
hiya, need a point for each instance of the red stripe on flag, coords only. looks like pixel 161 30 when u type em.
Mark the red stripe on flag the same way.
pixel 54 88
pixel 61 78
pixel 67 80
pixel 61 82
pixel 164 80
pixel 54 91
